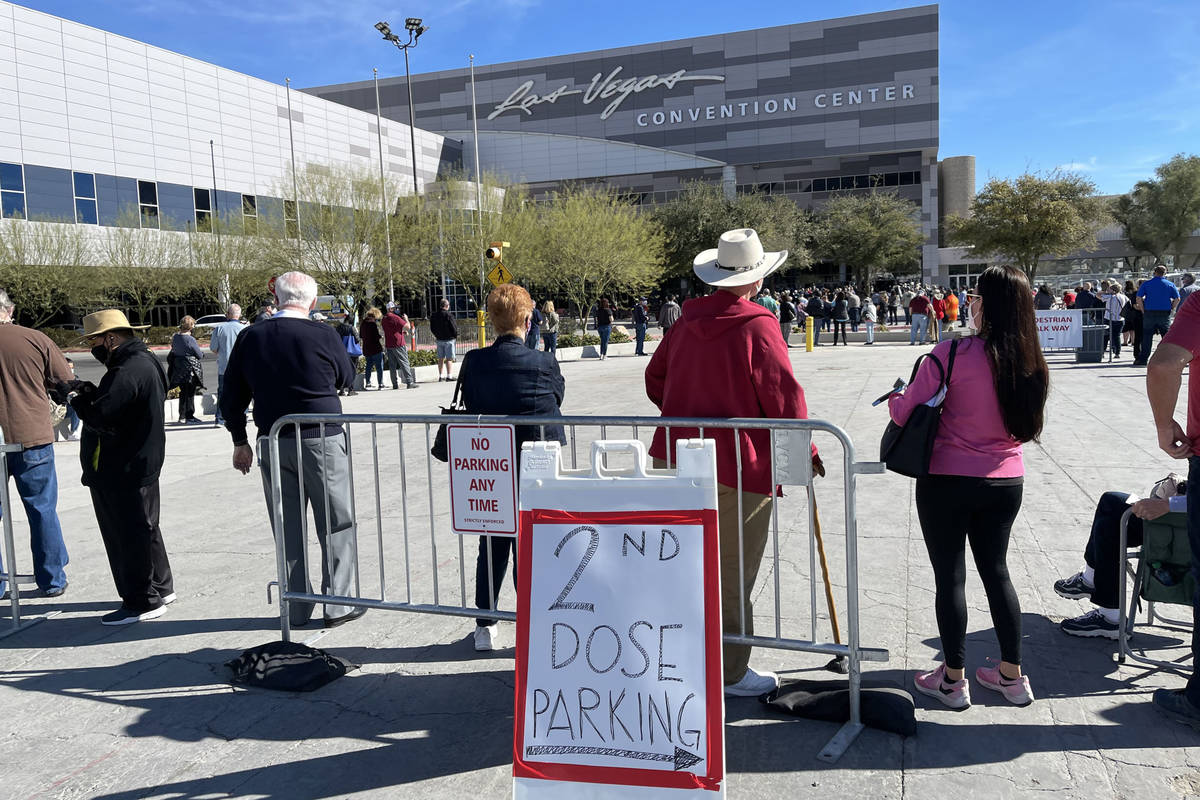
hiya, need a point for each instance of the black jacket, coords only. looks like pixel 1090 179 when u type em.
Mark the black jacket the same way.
pixel 442 326
pixel 816 307
pixel 507 377
pixel 123 441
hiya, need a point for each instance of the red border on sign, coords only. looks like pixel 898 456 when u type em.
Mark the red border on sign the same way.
pixel 714 760
pixel 512 460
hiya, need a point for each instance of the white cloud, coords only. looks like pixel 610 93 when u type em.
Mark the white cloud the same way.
pixel 1079 166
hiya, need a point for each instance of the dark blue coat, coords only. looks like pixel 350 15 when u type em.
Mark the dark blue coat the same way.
pixel 508 378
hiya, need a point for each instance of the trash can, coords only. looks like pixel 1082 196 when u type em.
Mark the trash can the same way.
pixel 1094 330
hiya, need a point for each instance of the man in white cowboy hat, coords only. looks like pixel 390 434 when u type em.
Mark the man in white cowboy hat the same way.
pixel 726 357
pixel 122 451
pixel 30 364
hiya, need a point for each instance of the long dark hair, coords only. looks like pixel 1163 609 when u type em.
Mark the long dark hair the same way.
pixel 1010 337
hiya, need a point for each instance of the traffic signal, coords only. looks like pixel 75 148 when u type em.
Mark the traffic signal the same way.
pixel 492 253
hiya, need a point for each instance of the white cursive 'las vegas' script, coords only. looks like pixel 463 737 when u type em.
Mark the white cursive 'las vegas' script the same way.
pixel 601 88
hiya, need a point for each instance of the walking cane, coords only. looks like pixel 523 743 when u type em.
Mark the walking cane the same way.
pixel 838 664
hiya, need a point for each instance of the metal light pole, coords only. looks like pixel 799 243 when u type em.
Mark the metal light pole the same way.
pixel 415 29
pixel 387 225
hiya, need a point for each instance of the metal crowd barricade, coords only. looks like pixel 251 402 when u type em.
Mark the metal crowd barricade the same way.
pixel 399 464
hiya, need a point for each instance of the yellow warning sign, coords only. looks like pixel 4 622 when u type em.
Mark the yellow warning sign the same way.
pixel 499 274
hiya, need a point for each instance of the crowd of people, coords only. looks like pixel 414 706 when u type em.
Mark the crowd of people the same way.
pixel 723 354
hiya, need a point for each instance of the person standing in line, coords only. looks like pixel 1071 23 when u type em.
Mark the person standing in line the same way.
pixel 1157 299
pixel 816 310
pixel 868 319
pixel 641 317
pixel 1044 299
pixel 787 317
pixel 725 359
pixel 352 344
pixel 951 308
pixel 395 326
pixel 937 312
pixel 533 337
pixel 122 451
pixel 549 327
pixel 907 300
pixel 185 369
pixel 373 346
pixel 995 401
pixel 1164 376
pixel 918 312
pixel 224 337
pixel 840 315
pixel 445 332
pixel 893 306
pixel 765 300
pixel 506 378
pixel 267 311
pixel 604 321
pixel 295 366
pixel 30 365
pixel 854 308
pixel 668 314
pixel 68 428
pixel 1114 308
pixel 1189 285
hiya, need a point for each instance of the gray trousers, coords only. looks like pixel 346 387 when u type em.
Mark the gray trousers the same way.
pixel 323 464
pixel 397 357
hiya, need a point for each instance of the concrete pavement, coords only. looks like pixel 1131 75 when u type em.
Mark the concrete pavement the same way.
pixel 145 711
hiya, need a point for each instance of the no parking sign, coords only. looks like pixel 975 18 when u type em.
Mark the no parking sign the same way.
pixel 619 683
pixel 483 478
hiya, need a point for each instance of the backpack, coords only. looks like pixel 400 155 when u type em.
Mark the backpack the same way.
pixel 288 667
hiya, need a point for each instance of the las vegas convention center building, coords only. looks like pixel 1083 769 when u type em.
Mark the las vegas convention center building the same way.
pixel 101 130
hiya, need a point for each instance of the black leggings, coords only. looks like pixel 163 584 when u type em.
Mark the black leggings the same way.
pixel 953 509
pixel 839 325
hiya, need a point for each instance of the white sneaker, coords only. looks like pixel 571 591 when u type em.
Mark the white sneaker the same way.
pixel 168 599
pixel 753 684
pixel 487 637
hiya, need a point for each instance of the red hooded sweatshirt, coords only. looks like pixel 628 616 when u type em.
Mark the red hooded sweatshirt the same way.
pixel 725 358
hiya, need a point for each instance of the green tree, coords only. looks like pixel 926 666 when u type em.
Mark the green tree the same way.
pixel 1029 217
pixel 46 267
pixel 869 233
pixel 696 219
pixel 230 267
pixel 1160 214
pixel 592 243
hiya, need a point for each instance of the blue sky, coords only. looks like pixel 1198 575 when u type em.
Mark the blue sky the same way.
pixel 1110 88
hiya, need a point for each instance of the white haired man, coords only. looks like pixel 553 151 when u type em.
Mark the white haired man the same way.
pixel 294 366
pixel 30 364
pixel 224 337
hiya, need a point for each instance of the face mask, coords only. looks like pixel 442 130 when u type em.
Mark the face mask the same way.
pixel 100 353
pixel 973 322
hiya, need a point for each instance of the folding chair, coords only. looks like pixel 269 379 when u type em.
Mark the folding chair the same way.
pixel 1162 573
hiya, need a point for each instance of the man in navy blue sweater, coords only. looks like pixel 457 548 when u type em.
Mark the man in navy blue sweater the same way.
pixel 295 366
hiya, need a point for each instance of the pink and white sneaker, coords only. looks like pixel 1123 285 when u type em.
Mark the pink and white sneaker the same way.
pixel 1015 690
pixel 956 694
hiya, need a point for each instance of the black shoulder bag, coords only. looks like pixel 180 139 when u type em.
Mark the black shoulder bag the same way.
pixel 906 449
pixel 440 451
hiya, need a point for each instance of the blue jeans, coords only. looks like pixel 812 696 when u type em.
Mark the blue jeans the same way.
pixel 1152 322
pixel 920 327
pixel 854 316
pixel 550 342
pixel 640 333
pixel 375 362
pixel 220 394
pixel 37 485
pixel 604 331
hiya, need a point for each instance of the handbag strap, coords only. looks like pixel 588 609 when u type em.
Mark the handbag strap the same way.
pixel 457 388
pixel 950 367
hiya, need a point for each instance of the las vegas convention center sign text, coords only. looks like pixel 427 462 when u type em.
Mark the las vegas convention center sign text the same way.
pixel 616 89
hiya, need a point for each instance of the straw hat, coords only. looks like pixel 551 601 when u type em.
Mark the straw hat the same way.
pixel 737 260
pixel 110 319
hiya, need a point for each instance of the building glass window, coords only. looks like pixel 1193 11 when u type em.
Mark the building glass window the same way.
pixel 250 213
pixel 12 191
pixel 891 179
pixel 203 204
pixel 290 219
pixel 818 184
pixel 148 203
pixel 85 198
pixel 906 179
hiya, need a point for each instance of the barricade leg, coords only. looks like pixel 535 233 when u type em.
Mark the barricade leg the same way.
pixel 9 572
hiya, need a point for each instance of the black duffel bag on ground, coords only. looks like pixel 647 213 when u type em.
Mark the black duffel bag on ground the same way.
pixel 906 449
pixel 287 667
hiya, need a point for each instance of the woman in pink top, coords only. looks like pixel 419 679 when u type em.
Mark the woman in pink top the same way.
pixel 994 402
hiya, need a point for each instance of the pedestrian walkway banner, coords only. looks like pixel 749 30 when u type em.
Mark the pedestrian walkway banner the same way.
pixel 1060 329
pixel 618 684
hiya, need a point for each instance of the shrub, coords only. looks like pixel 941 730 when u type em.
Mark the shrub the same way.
pixel 422 358
pixel 618 336
pixel 575 340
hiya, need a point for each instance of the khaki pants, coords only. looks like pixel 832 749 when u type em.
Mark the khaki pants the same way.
pixel 756 525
